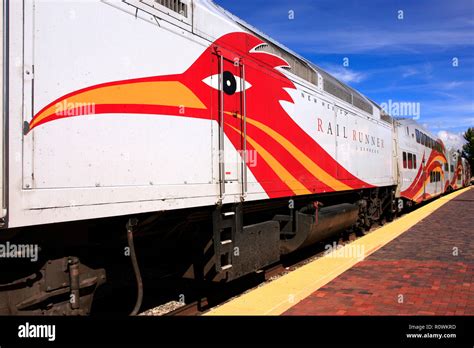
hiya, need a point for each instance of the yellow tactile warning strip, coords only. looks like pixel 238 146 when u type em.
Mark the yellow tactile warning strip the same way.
pixel 279 295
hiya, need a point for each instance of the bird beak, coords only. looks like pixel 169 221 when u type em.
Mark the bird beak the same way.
pixel 158 95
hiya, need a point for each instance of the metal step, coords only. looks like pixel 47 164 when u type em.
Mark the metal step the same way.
pixel 225 226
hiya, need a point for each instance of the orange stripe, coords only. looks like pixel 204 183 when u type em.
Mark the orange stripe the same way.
pixel 165 93
pixel 319 173
pixel 285 176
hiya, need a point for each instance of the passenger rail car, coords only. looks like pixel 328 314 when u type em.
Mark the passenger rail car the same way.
pixel 427 169
pixel 178 124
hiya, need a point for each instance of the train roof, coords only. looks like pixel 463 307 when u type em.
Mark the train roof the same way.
pixel 419 126
pixel 304 68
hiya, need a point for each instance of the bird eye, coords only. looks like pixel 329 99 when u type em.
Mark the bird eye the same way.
pixel 231 84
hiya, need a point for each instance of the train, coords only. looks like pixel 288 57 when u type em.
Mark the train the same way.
pixel 171 136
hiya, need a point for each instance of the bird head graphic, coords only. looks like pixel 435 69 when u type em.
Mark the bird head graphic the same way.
pixel 231 81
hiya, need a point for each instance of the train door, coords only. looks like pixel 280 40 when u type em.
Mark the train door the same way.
pixel 426 176
pixel 231 114
pixel 396 164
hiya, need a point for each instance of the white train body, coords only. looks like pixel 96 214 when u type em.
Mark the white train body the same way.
pixel 90 162
pixel 174 122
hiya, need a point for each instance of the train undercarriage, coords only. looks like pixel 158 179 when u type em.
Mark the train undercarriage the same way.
pixel 86 267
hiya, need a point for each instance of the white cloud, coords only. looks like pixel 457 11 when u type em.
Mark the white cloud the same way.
pixel 452 85
pixel 451 140
pixel 346 75
pixel 359 41
pixel 409 72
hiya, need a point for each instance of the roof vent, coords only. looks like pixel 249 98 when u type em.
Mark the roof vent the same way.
pixel 177 6
pixel 261 47
pixel 297 66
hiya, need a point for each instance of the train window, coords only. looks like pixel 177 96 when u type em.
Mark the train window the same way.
pixel 452 168
pixel 404 159
pixel 445 167
pixel 410 161
pixel 431 176
pixel 417 132
pixel 438 176
pixel 459 176
pixel 414 161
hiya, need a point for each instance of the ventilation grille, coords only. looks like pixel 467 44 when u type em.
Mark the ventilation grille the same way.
pixel 385 117
pixel 261 47
pixel 297 67
pixel 337 91
pixel 362 104
pixel 332 86
pixel 177 6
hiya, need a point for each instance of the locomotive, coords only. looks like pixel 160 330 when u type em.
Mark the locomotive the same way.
pixel 170 134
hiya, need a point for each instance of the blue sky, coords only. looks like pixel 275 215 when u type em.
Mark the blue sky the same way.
pixel 403 60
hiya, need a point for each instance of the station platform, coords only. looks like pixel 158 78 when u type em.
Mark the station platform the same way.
pixel 420 264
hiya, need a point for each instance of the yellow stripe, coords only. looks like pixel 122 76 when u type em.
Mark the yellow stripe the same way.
pixel 276 166
pixel 312 167
pixel 278 296
pixel 419 193
pixel 442 161
pixel 438 158
pixel 165 93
